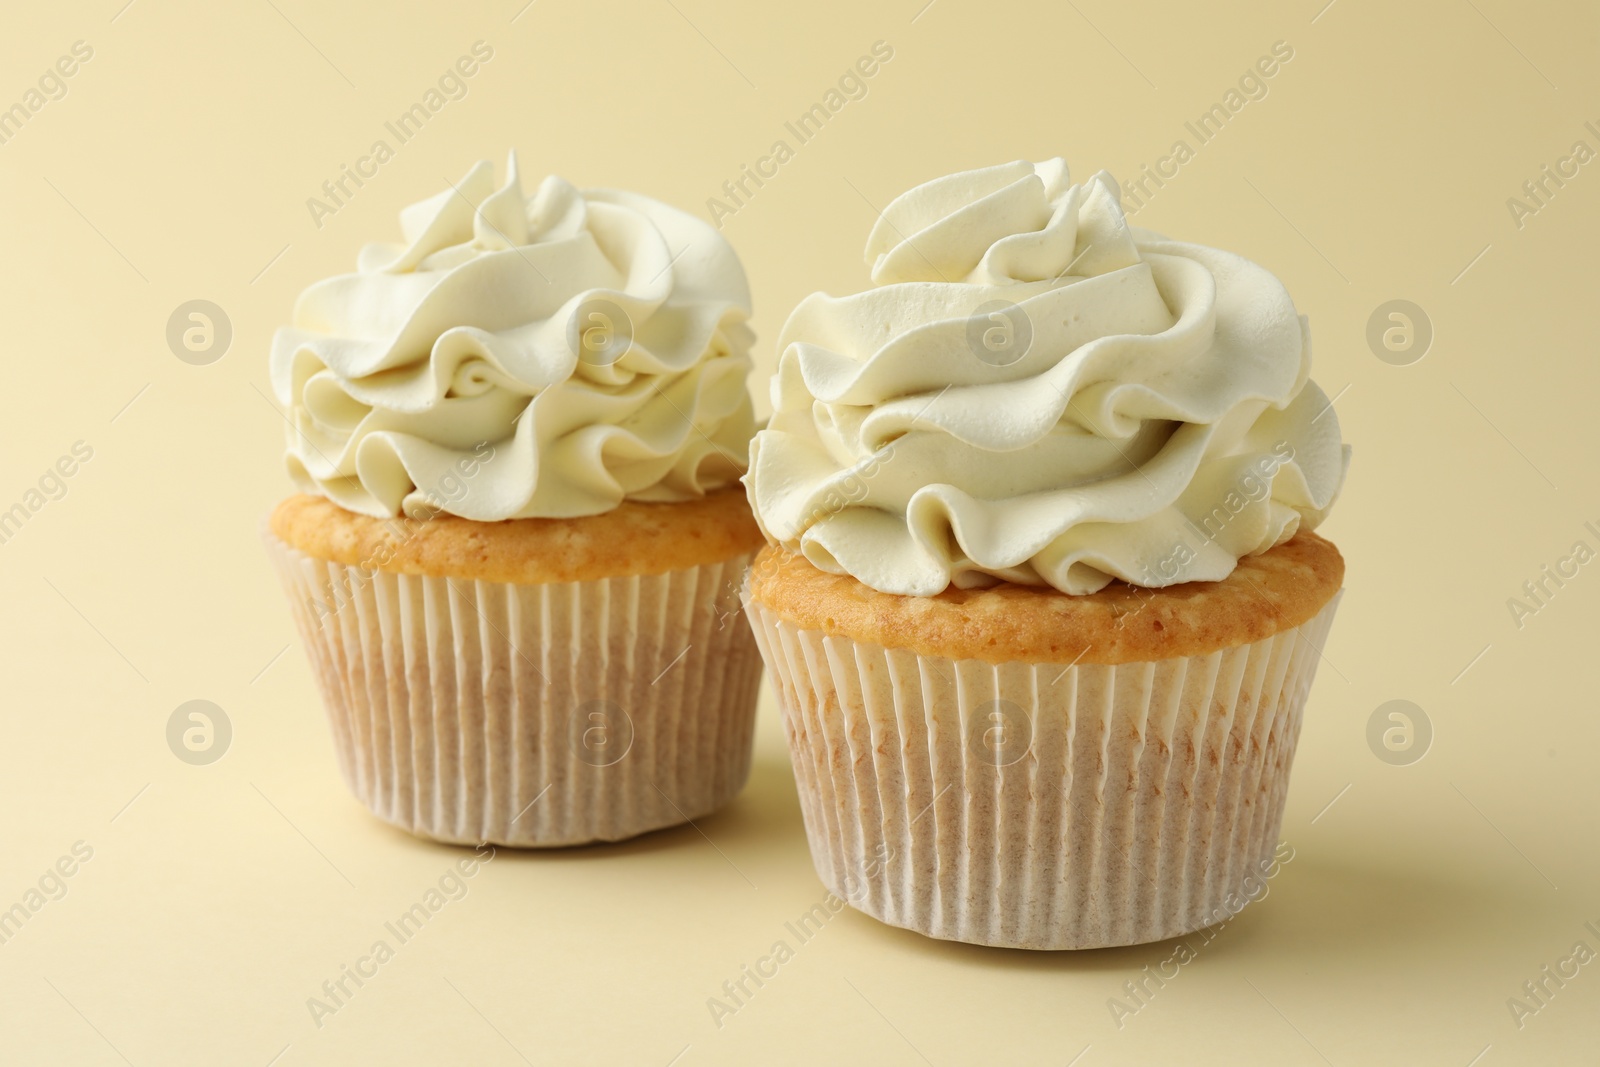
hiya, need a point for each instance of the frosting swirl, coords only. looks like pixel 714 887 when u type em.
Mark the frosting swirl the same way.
pixel 517 357
pixel 1037 393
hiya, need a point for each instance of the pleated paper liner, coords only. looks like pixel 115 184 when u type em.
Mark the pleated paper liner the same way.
pixel 531 714
pixel 1041 806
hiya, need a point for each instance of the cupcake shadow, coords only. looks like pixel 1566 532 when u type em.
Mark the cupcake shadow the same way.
pixel 1329 912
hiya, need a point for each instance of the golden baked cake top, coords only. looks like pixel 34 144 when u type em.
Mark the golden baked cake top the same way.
pixel 1265 595
pixel 633 538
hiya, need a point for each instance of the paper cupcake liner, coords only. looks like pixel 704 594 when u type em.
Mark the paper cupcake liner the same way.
pixel 1042 806
pixel 531 714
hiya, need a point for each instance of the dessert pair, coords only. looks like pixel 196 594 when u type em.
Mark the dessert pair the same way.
pixel 1026 545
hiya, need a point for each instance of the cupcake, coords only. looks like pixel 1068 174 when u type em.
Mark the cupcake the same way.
pixel 1042 601
pixel 517 547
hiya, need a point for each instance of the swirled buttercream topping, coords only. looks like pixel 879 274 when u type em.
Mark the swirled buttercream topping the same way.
pixel 1035 392
pixel 522 357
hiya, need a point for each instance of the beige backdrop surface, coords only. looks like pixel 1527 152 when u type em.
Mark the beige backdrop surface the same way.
pixel 1376 164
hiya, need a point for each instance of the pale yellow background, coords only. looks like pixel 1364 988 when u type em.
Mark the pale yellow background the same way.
pixel 177 167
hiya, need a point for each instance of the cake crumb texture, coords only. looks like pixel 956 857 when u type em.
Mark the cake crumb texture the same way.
pixel 635 538
pixel 1265 595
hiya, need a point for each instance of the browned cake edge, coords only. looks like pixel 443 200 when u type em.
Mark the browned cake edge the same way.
pixel 1265 595
pixel 633 538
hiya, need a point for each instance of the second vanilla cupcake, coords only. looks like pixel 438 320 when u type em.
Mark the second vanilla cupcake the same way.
pixel 1043 606
pixel 516 554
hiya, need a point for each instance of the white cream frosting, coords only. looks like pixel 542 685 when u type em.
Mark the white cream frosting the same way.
pixel 1037 393
pixel 446 372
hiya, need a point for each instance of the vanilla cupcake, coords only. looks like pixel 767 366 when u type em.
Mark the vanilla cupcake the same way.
pixel 1043 603
pixel 516 554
